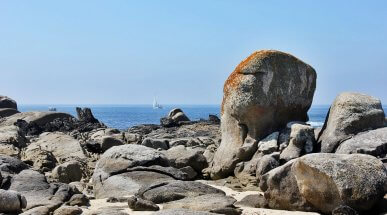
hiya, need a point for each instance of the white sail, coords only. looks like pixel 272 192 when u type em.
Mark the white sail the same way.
pixel 156 105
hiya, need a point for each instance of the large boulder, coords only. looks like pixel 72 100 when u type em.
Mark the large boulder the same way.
pixel 119 158
pixel 174 118
pixel 372 142
pixel 115 170
pixel 350 114
pixel 11 201
pixel 37 117
pixel 181 156
pixel 68 172
pixel 40 159
pixel 6 102
pixel 265 92
pixel 64 147
pixel 322 182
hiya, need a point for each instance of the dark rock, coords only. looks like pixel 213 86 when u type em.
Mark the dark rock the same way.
pixel 11 165
pixel 5 112
pixel 350 114
pixel 265 164
pixel 6 102
pixel 213 119
pixel 117 199
pixel 85 115
pixel 265 92
pixel 175 117
pixel 344 210
pixel 108 142
pixel 138 204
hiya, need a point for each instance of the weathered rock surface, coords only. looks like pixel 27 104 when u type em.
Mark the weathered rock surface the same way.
pixel 138 204
pixel 119 158
pixel 10 150
pixel 372 142
pixel 62 146
pixel 265 91
pixel 6 102
pixel 5 112
pixel 128 183
pixel 176 190
pixel 208 202
pixel 12 135
pixel 11 201
pixel 323 182
pixel 181 156
pixel 38 118
pixel 86 115
pixel 34 187
pixel 10 166
pixel 68 172
pixel 78 200
pixel 301 142
pixel 182 211
pixel 174 118
pixel 40 159
pixel 350 114
pixel 68 210
pixel 155 143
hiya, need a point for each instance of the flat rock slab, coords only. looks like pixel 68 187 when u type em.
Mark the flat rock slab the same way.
pixel 207 202
pixel 176 190
pixel 182 211
pixel 63 146
pixel 40 118
pixel 128 183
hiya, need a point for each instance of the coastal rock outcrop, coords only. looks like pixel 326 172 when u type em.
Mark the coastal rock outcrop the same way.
pixel 265 92
pixel 322 182
pixel 6 102
pixel 5 112
pixel 174 118
pixel 350 114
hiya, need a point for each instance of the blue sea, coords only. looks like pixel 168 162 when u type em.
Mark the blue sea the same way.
pixel 125 116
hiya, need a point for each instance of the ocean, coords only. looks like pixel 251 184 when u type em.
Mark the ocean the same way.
pixel 125 116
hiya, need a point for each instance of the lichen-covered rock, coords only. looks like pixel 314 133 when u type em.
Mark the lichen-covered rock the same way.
pixel 372 142
pixel 350 114
pixel 265 91
pixel 12 135
pixel 6 102
pixel 323 181
pixel 40 159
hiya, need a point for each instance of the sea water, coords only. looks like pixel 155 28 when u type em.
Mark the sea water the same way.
pixel 125 116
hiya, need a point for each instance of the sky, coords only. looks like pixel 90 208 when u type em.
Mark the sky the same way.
pixel 127 52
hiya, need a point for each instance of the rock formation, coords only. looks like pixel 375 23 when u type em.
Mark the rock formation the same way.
pixel 265 92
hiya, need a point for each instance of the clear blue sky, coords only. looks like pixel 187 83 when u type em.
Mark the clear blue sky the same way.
pixel 125 52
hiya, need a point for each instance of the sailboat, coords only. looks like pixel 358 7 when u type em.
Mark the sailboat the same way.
pixel 156 105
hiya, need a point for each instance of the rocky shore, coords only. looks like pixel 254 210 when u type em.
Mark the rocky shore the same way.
pixel 260 157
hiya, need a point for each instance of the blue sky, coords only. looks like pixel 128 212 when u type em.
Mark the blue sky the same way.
pixel 125 52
